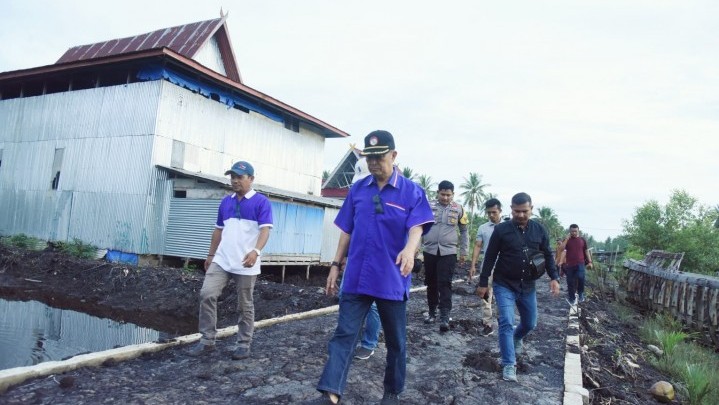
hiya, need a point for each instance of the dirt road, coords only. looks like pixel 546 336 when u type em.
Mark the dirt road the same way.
pixel 458 367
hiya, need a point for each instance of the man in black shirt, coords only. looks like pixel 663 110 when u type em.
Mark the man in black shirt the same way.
pixel 511 245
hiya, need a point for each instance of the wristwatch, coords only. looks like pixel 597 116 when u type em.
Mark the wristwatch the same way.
pixel 259 253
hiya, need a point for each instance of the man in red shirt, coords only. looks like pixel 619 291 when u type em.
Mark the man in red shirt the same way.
pixel 576 257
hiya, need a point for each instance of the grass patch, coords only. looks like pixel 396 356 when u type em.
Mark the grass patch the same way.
pixel 604 280
pixel 683 360
pixel 624 314
pixel 23 241
pixel 698 383
pixel 78 248
pixel 669 340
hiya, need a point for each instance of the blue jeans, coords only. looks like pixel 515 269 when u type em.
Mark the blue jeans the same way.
pixel 370 337
pixel 353 310
pixel 526 303
pixel 575 280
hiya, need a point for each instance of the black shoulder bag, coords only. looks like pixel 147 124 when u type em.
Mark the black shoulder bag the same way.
pixel 535 259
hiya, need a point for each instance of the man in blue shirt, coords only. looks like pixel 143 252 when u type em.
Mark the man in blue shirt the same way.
pixel 381 222
pixel 508 254
pixel 243 225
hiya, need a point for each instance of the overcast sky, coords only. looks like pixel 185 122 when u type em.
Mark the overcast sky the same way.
pixel 591 107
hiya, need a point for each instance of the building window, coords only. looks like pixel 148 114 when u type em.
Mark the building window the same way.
pixel 57 167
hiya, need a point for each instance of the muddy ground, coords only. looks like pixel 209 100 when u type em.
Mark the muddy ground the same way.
pixel 458 367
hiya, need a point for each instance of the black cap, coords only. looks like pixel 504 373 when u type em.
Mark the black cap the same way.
pixel 378 143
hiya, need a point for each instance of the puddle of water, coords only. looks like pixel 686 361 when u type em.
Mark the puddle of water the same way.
pixel 32 332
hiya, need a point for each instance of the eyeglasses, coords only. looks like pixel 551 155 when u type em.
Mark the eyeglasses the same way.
pixel 378 208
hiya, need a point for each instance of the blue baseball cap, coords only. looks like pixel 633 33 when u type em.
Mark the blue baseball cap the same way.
pixel 241 168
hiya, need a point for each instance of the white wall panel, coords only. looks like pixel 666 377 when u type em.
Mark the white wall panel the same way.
pixel 107 194
pixel 110 192
pixel 217 136
pixel 100 112
pixel 210 56
pixel 115 165
pixel 330 235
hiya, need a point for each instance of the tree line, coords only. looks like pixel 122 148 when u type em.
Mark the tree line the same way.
pixel 683 225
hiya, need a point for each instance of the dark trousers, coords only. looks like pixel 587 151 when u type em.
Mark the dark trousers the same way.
pixel 438 273
pixel 575 280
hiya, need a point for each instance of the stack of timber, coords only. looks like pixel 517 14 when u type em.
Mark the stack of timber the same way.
pixel 656 283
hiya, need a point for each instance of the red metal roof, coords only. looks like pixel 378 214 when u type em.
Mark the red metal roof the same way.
pixel 185 40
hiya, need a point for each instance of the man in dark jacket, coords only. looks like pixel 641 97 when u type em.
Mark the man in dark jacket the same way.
pixel 511 245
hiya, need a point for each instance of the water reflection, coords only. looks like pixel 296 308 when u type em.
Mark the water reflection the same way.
pixel 31 333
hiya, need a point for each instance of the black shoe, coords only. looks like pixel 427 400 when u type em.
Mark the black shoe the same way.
pixel 444 325
pixel 389 399
pixel 200 349
pixel 363 353
pixel 241 353
pixel 430 318
pixel 487 330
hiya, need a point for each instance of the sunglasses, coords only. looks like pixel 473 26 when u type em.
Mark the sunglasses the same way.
pixel 378 208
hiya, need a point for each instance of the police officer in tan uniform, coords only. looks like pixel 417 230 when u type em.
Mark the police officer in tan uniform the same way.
pixel 440 253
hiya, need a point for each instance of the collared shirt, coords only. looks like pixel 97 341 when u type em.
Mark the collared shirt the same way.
pixel 376 238
pixel 506 247
pixel 484 232
pixel 442 238
pixel 240 222
pixel 574 254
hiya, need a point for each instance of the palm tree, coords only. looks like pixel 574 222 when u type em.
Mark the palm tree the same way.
pixel 548 218
pixel 473 193
pixel 325 175
pixel 408 173
pixel 426 183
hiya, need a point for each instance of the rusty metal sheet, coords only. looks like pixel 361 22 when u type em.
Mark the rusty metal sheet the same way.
pixel 183 39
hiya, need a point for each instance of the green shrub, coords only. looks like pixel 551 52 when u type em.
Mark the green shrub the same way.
pixel 21 241
pixel 78 249
pixel 697 382
pixel 669 340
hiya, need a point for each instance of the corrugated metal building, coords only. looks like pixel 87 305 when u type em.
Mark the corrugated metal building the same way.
pixel 102 146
